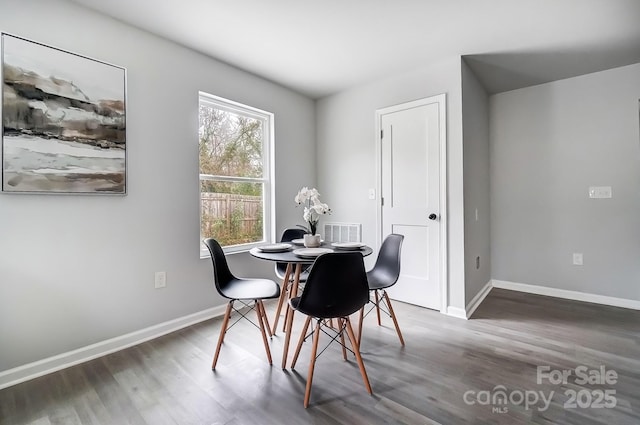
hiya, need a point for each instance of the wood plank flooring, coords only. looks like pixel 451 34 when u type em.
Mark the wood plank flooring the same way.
pixel 169 380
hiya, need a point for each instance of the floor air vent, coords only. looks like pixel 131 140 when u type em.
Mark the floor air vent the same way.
pixel 342 232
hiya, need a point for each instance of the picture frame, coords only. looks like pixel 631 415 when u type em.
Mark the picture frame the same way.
pixel 63 121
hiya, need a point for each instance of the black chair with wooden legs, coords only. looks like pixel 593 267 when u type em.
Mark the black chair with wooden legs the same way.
pixel 383 275
pixel 284 271
pixel 243 291
pixel 335 289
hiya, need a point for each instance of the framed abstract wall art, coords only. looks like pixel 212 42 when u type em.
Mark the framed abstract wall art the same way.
pixel 63 121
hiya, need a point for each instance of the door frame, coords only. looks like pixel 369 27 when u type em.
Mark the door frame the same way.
pixel 441 100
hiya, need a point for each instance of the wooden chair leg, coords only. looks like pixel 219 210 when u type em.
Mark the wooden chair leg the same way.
pixel 261 319
pixel 267 326
pixel 293 292
pixel 300 341
pixel 283 295
pixel 360 324
pixel 284 290
pixel 289 316
pixel 287 311
pixel 223 331
pixel 263 311
pixel 287 338
pixel 356 350
pixel 312 363
pixel 341 330
pixel 393 316
pixel 377 307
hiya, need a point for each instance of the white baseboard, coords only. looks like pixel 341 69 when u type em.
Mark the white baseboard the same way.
pixel 465 313
pixel 460 313
pixel 61 361
pixel 569 295
pixel 477 300
pixel 468 311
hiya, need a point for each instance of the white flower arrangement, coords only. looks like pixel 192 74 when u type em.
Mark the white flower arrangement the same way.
pixel 313 208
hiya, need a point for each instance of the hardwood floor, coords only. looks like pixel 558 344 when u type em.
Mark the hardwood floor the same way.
pixel 169 380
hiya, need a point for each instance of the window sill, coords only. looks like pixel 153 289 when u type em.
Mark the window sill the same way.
pixel 204 253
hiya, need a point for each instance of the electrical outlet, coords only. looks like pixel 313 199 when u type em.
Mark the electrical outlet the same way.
pixel 577 259
pixel 161 279
pixel 372 194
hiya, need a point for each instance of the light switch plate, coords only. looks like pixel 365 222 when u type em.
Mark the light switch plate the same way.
pixel 600 192
pixel 577 259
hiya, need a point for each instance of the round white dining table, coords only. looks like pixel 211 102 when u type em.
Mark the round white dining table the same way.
pixel 295 264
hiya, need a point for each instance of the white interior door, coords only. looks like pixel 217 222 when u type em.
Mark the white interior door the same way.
pixel 410 188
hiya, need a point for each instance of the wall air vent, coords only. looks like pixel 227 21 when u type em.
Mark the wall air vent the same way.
pixel 342 232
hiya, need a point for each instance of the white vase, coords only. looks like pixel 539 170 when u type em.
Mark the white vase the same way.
pixel 311 241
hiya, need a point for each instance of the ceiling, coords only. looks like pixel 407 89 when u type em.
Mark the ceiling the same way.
pixel 322 47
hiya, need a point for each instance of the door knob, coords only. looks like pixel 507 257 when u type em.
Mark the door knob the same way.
pixel 432 216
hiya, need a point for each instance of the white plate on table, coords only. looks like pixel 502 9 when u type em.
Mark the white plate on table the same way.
pixel 348 246
pixel 311 252
pixel 300 242
pixel 278 247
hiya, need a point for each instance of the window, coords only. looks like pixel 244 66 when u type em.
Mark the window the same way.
pixel 235 146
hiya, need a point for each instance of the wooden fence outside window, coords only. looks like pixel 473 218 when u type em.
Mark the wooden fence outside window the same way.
pixel 231 219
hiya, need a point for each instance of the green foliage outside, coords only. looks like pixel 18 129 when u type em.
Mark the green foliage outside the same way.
pixel 231 145
pixel 232 232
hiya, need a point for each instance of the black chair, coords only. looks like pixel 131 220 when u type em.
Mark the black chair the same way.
pixel 242 290
pixel 287 273
pixel 384 274
pixel 287 236
pixel 336 288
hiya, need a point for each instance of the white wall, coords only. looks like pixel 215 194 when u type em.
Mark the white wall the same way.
pixel 477 230
pixel 76 270
pixel 549 143
pixel 346 152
